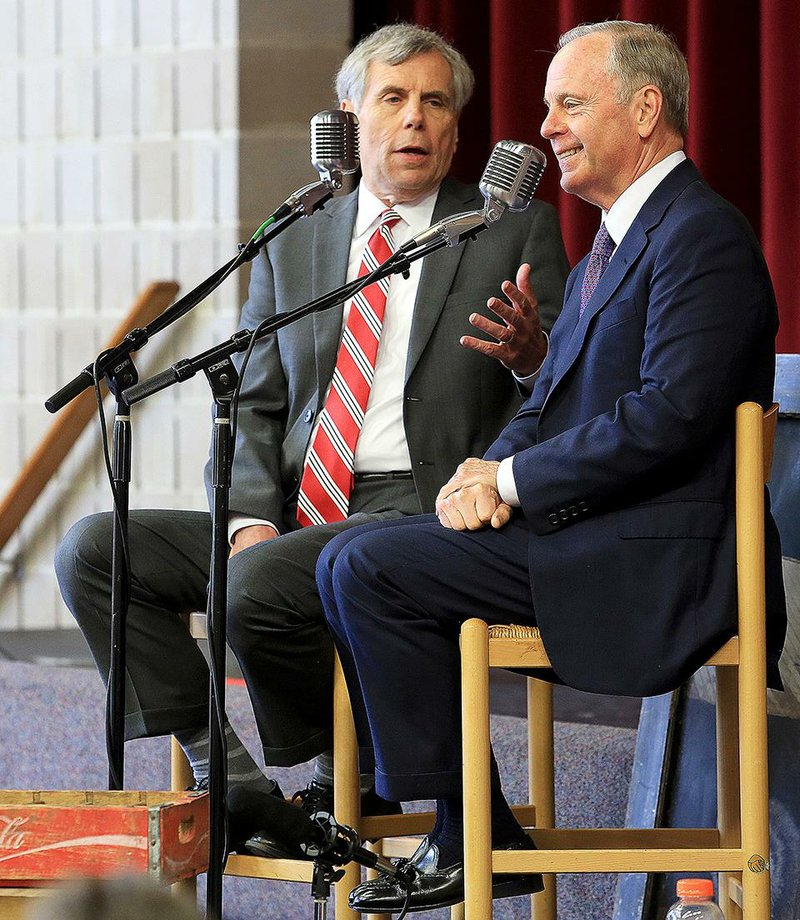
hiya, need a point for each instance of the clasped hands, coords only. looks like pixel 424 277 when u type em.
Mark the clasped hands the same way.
pixel 470 499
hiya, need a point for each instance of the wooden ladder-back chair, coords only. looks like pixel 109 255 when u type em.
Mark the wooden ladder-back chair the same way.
pixel 738 848
pixel 392 831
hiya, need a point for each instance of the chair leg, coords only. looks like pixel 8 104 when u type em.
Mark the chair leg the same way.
pixel 752 471
pixel 755 895
pixel 541 781
pixel 346 785
pixel 477 816
pixel 181 777
pixel 728 807
pixel 376 847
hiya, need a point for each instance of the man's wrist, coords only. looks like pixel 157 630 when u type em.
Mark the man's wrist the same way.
pixel 527 381
pixel 237 522
pixel 506 485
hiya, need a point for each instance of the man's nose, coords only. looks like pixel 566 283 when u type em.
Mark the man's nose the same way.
pixel 550 126
pixel 413 113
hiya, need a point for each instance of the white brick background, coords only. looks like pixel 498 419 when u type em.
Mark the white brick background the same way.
pixel 140 140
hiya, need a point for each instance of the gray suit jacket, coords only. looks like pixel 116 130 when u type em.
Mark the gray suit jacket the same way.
pixel 456 401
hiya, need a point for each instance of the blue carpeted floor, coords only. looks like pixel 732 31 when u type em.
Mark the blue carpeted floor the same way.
pixel 51 737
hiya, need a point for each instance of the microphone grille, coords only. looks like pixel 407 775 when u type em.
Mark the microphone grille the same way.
pixel 512 174
pixel 334 141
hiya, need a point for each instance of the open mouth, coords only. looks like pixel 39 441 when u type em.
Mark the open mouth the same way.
pixel 412 152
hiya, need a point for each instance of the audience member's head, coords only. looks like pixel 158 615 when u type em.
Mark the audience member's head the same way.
pixel 118 898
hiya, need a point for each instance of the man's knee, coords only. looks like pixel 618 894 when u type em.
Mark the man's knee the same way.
pixel 355 567
pixel 84 548
pixel 264 596
pixel 326 562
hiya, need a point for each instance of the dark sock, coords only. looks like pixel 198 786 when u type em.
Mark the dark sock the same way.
pixel 448 829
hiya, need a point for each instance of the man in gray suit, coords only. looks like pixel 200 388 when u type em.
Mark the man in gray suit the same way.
pixel 437 395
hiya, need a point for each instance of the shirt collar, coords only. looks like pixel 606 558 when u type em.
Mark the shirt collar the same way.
pixel 622 213
pixel 417 215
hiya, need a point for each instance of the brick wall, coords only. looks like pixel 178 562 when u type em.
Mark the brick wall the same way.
pixel 140 139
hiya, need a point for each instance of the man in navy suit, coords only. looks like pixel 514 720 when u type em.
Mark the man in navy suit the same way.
pixel 604 511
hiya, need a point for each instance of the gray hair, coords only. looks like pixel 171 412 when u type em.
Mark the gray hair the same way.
pixel 643 54
pixel 395 44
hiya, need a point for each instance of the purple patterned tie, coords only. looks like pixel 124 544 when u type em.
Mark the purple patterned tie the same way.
pixel 602 248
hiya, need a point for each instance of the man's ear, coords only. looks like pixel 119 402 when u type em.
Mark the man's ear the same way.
pixel 347 106
pixel 648 109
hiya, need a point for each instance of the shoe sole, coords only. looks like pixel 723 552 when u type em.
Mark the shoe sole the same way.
pixel 270 852
pixel 510 886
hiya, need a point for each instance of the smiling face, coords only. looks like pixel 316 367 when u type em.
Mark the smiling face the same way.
pixel 601 145
pixel 408 127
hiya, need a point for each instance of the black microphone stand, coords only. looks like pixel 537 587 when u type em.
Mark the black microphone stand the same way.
pixel 117 366
pixel 222 378
pixel 120 377
pixel 217 365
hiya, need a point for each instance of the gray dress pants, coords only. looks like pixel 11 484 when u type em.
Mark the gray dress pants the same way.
pixel 276 625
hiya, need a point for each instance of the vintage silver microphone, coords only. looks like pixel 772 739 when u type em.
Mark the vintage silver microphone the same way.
pixel 334 153
pixel 508 183
pixel 510 178
pixel 334 145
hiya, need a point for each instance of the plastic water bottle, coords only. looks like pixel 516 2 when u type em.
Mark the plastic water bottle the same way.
pixel 695 901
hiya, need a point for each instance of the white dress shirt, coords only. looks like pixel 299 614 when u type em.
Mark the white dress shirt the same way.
pixel 382 445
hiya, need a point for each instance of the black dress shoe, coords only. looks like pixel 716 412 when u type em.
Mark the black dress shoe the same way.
pixel 436 886
pixel 246 812
pixel 315 797
pixel 200 786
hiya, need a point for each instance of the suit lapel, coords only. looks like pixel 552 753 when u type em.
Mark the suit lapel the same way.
pixel 625 256
pixel 331 251
pixel 438 271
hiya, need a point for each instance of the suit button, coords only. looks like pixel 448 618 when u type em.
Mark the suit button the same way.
pixel 582 506
pixel 552 517
pixel 573 511
pixel 308 415
pixel 564 514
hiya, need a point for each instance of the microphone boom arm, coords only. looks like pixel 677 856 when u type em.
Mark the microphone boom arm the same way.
pixel 182 370
pixel 302 203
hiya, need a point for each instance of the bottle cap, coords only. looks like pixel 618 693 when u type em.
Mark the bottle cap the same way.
pixel 695 888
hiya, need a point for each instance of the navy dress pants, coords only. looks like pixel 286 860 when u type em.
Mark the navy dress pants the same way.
pixel 395 594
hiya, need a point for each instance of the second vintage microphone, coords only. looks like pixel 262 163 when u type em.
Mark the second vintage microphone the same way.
pixel 508 183
pixel 510 178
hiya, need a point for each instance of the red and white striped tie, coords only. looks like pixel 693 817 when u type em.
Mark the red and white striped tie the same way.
pixel 328 472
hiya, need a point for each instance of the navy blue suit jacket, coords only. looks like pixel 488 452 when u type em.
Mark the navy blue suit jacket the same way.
pixel 623 455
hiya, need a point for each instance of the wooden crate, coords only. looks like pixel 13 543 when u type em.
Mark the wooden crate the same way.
pixel 46 836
